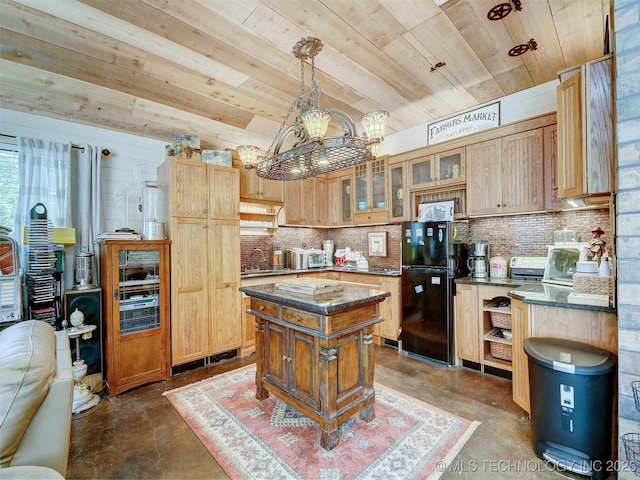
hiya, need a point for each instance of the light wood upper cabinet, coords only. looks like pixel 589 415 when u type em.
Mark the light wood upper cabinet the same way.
pixel 550 143
pixel 340 203
pixel 570 171
pixel 253 187
pixel 370 182
pixel 437 170
pixel 398 195
pixel 586 129
pixel 300 202
pixel 223 193
pixel 322 197
pixel 187 188
pixel 506 175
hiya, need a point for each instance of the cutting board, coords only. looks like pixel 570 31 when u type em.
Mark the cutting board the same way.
pixel 311 286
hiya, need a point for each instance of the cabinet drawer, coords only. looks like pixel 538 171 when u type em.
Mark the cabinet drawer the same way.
pixel 264 308
pixel 371 217
pixel 303 319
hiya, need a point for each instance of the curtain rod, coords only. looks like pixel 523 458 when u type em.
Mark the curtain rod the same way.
pixel 105 151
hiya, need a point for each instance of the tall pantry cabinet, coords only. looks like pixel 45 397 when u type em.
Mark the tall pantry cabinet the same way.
pixel 204 227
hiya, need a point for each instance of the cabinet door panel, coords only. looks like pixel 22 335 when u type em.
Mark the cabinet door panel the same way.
pixel 223 193
pixel 333 202
pixel 522 173
pixel 272 190
pixel 570 157
pixel 467 323
pixel 275 355
pixel 304 360
pixel 520 330
pixel 322 209
pixel 189 290
pixel 484 178
pixel 189 188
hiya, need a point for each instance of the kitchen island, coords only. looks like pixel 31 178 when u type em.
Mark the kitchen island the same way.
pixel 316 352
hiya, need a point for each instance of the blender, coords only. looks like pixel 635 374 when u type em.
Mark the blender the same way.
pixel 328 246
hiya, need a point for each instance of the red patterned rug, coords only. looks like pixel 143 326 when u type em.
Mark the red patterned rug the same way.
pixel 267 439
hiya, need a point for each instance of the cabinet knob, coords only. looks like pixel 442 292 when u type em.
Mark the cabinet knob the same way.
pixel 261 308
pixel 297 317
pixel 285 358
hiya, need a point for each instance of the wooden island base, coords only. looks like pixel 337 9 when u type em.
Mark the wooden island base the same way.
pixel 317 355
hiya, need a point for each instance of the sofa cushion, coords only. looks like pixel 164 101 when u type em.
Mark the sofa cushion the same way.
pixel 27 366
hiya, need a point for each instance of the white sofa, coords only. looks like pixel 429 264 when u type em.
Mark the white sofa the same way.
pixel 36 400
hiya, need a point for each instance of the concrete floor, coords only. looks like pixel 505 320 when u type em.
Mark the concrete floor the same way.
pixel 138 434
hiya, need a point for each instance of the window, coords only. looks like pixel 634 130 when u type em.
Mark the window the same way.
pixel 9 180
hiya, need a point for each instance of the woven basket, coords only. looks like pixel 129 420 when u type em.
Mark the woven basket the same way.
pixel 499 350
pixel 501 320
pixel 583 283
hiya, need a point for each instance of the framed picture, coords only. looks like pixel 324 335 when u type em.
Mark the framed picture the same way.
pixel 378 244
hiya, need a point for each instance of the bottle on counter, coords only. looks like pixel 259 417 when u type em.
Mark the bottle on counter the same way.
pixel 604 270
pixel 277 257
pixel 498 266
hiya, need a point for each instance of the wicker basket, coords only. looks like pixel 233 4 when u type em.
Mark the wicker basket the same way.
pixel 499 319
pixel 499 350
pixel 584 283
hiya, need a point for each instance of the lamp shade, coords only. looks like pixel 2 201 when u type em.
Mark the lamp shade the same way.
pixel 373 148
pixel 248 155
pixel 316 122
pixel 374 124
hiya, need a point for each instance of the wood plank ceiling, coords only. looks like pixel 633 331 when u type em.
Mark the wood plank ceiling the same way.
pixel 223 68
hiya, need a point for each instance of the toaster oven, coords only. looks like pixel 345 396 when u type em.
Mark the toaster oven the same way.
pixel 562 263
pixel 316 258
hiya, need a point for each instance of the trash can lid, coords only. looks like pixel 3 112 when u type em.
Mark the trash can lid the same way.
pixel 569 356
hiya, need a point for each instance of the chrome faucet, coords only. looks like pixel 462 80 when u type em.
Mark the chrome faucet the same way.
pixel 264 260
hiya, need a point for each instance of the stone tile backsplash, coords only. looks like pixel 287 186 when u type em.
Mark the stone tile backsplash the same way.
pixel 520 235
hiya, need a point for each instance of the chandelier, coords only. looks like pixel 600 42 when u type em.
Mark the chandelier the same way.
pixel 312 152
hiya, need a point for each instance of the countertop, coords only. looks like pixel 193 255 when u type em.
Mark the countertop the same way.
pixel 286 271
pixel 322 304
pixel 535 293
pixel 552 296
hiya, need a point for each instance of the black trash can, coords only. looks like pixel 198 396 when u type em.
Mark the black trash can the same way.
pixel 571 388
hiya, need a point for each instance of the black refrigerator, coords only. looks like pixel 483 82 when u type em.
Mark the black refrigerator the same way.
pixel 431 260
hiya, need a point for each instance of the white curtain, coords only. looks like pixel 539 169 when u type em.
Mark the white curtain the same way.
pixel 87 206
pixel 44 178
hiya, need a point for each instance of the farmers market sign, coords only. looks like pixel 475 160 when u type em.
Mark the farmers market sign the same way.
pixel 472 121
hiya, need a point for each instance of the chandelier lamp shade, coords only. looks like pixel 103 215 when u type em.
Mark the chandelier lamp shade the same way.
pixel 248 155
pixel 302 148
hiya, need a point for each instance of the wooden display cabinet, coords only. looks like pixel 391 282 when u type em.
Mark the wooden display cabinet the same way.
pixel 399 210
pixel 135 278
pixel 370 182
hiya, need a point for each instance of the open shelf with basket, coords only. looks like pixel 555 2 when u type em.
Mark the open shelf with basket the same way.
pixel 497 333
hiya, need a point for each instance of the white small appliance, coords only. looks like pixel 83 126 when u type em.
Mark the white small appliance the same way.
pixel 316 258
pixel 562 263
pixel 297 259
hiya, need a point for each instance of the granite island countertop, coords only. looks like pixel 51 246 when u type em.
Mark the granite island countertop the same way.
pixel 323 304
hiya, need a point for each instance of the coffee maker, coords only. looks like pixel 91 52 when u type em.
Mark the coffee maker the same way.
pixel 478 261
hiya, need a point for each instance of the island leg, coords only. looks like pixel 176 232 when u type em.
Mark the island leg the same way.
pixel 328 394
pixel 367 413
pixel 261 392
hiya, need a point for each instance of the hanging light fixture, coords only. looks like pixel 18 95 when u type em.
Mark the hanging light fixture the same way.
pixel 248 155
pixel 313 153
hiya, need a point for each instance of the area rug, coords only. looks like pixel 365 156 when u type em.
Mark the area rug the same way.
pixel 261 440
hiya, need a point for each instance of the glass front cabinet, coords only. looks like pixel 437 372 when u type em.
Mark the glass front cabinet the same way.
pixel 446 168
pixel 135 278
pixel 371 192
pixel 398 195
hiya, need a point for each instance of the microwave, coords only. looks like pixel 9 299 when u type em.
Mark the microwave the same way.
pixel 316 258
pixel 562 263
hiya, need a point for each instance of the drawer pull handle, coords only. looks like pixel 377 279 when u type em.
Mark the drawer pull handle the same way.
pixel 261 308
pixel 297 317
pixel 286 359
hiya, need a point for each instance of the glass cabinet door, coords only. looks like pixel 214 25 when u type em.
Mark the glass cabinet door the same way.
pixel 398 210
pixel 421 173
pixel 345 204
pixel 362 187
pixel 450 167
pixel 139 290
pixel 378 183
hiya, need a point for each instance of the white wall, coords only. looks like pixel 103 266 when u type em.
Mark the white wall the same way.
pixel 133 159
pixel 518 106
